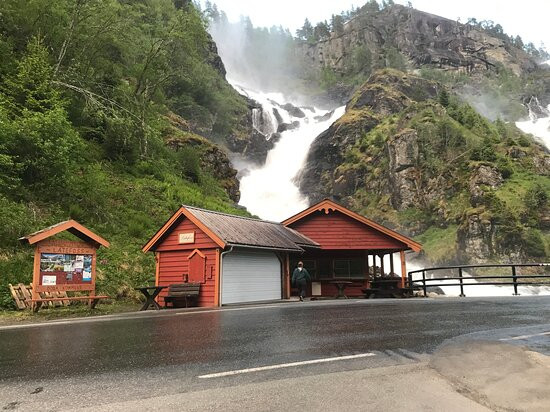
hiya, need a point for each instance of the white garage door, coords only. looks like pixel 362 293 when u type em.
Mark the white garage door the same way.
pixel 250 276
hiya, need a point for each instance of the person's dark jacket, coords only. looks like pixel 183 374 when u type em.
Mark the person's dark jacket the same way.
pixel 300 276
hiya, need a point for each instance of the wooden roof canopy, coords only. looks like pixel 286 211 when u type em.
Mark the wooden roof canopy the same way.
pixel 232 230
pixel 71 226
pixel 327 206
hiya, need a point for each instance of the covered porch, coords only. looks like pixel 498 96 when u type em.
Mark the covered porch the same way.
pixel 348 248
pixel 363 268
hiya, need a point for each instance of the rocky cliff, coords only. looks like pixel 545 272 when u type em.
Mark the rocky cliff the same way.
pixel 412 157
pixel 422 38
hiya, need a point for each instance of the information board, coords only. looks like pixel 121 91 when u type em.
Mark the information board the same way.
pixel 65 269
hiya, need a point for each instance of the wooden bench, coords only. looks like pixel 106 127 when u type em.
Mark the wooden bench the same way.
pixel 371 293
pixel 37 303
pixel 182 292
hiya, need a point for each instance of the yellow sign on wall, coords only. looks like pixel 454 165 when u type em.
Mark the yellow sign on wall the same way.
pixel 187 237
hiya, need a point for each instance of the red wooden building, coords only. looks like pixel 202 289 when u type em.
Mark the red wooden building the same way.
pixel 238 259
pixel 352 248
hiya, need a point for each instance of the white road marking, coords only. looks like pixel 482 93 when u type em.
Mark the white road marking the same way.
pixel 526 336
pixel 285 365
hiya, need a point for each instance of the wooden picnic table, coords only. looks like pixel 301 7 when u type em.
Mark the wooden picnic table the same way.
pixel 341 285
pixel 150 297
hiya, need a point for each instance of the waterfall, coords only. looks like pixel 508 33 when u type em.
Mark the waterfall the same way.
pixel 538 123
pixel 270 190
pixel 264 118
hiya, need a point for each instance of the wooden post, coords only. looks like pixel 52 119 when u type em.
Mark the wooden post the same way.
pixel 403 268
pixel 382 265
pixel 157 272
pixel 391 264
pixel 217 279
pixel 35 277
pixel 287 276
pixel 366 269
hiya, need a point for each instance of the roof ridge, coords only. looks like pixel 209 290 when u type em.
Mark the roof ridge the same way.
pixel 231 215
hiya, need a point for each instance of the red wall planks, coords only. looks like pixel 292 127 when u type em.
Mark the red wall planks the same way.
pixel 174 262
pixel 171 240
pixel 338 231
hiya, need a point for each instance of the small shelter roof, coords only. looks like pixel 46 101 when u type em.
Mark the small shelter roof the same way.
pixel 231 230
pixel 71 226
pixel 328 205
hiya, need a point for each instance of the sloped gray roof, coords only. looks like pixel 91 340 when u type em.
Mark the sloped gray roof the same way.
pixel 244 231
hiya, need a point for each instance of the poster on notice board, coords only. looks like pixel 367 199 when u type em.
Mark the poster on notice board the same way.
pixel 58 268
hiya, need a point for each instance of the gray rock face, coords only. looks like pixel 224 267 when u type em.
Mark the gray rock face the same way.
pixel 483 177
pixel 283 127
pixel 293 110
pixel 324 117
pixel 542 164
pixel 214 58
pixel 423 38
pixel 403 174
pixel 476 239
pixel 321 177
pixel 252 144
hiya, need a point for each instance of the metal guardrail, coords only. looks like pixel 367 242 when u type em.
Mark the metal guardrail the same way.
pixel 516 279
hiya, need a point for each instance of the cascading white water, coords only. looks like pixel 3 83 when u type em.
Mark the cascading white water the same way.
pixel 537 125
pixel 270 190
pixel 474 290
pixel 264 120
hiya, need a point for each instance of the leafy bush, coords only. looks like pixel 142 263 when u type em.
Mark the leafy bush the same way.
pixel 534 243
pixel 189 163
pixel 536 197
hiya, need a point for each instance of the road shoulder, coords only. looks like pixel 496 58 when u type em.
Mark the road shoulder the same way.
pixel 396 388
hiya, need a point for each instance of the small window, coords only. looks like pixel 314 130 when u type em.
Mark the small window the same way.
pixel 349 269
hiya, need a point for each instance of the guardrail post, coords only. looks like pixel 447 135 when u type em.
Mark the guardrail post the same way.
pixel 515 280
pixel 462 295
pixel 424 284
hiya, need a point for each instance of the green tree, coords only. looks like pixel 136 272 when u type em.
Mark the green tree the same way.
pixel 31 88
pixel 536 197
pixel 337 24
pixel 443 97
pixel 306 31
pixel 321 30
pixel 39 140
pixel 395 59
pixel 361 59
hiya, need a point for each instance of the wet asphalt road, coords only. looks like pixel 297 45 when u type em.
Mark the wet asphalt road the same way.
pixel 195 343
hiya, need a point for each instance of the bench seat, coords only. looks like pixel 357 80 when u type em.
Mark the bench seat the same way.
pixel 94 299
pixel 387 293
pixel 182 292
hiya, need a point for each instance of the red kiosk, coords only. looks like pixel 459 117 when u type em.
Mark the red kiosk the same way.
pixel 64 265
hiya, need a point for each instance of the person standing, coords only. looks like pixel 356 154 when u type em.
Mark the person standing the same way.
pixel 300 277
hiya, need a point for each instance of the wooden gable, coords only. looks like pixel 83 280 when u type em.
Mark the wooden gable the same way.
pixel 335 227
pixel 183 223
pixel 184 234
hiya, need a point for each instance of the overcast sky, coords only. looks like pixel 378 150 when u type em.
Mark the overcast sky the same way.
pixel 531 21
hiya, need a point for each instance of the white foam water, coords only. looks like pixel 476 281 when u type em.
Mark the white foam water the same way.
pixel 472 287
pixel 537 126
pixel 270 190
